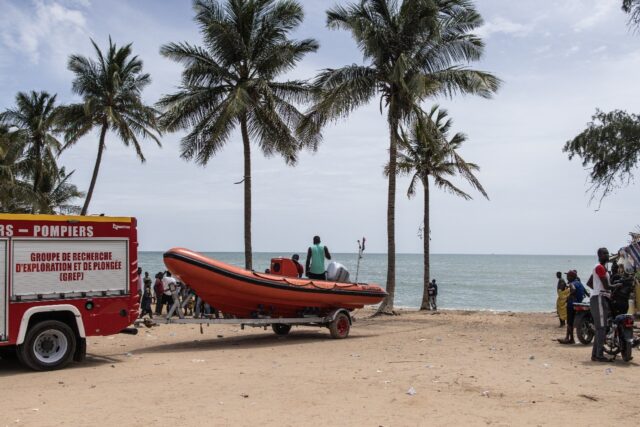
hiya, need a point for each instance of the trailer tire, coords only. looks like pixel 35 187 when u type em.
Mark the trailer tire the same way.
pixel 48 345
pixel 281 328
pixel 340 326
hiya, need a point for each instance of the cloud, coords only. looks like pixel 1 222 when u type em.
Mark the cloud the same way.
pixel 42 28
pixel 600 11
pixel 573 49
pixel 505 26
pixel 542 49
pixel 600 49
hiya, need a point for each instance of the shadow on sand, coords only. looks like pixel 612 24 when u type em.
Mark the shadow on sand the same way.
pixel 249 341
pixel 9 364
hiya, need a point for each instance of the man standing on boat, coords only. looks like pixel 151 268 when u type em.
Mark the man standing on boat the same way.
pixel 315 260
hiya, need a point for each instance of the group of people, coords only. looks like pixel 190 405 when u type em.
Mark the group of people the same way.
pixel 609 295
pixel 163 291
pixel 569 292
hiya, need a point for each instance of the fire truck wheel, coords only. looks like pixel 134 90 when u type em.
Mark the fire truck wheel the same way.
pixel 48 345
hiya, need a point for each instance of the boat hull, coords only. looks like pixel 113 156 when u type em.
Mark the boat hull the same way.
pixel 244 293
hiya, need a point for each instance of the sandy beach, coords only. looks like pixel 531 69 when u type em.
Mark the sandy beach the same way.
pixel 476 368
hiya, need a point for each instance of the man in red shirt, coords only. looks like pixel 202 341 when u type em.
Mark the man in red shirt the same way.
pixel 296 260
pixel 599 282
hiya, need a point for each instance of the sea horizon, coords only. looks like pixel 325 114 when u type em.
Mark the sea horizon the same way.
pixel 380 253
pixel 505 282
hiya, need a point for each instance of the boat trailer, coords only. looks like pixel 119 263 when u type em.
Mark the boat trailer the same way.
pixel 338 321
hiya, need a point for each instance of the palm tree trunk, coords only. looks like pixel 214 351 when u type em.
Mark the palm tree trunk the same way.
pixel 37 174
pixel 426 236
pixel 96 168
pixel 387 304
pixel 248 257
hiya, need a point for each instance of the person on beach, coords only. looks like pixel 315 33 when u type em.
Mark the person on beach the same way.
pixel 432 291
pixel 561 300
pixel 169 285
pixel 140 282
pixel 158 289
pixel 576 294
pixel 147 280
pixel 296 260
pixel 202 309
pixel 623 287
pixel 316 255
pixel 599 282
pixel 145 303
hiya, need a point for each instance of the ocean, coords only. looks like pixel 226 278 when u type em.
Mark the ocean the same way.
pixel 522 283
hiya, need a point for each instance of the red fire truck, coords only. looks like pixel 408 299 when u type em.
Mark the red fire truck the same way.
pixel 62 279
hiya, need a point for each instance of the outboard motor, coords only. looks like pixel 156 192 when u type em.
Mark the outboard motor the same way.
pixel 337 272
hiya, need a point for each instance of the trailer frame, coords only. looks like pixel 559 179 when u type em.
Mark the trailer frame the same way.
pixel 338 321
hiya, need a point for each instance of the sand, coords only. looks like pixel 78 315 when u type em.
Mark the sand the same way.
pixel 449 368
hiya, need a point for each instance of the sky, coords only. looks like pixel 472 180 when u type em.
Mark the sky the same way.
pixel 559 60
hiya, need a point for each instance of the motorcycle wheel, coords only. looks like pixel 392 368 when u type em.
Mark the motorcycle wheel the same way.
pixel 584 329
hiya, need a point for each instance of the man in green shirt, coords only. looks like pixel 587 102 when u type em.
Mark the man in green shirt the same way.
pixel 315 260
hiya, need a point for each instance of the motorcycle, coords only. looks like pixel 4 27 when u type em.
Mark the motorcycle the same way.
pixel 619 338
pixel 583 322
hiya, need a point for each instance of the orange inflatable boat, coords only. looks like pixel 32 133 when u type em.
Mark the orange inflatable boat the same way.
pixel 248 294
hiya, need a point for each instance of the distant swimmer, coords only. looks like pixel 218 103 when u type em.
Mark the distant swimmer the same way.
pixel 315 260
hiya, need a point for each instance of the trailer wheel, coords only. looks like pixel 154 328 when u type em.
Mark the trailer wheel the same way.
pixel 340 326
pixel 48 345
pixel 280 328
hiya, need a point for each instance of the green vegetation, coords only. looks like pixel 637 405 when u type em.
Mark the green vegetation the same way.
pixel 610 146
pixel 111 91
pixel 413 51
pixel 31 181
pixel 632 7
pixel 230 82
pixel 429 154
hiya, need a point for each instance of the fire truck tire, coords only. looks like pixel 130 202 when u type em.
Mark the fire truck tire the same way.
pixel 48 345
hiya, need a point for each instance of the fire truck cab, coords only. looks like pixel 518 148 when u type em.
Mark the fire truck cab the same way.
pixel 62 279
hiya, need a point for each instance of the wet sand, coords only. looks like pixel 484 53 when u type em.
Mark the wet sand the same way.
pixel 449 368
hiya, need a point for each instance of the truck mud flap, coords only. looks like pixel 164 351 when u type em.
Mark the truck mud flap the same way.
pixel 81 350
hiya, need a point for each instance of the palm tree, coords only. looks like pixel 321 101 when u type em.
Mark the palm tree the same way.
pixel 57 194
pixel 429 154
pixel 54 193
pixel 413 51
pixel 230 82
pixel 35 116
pixel 111 91
pixel 15 194
pixel 632 7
